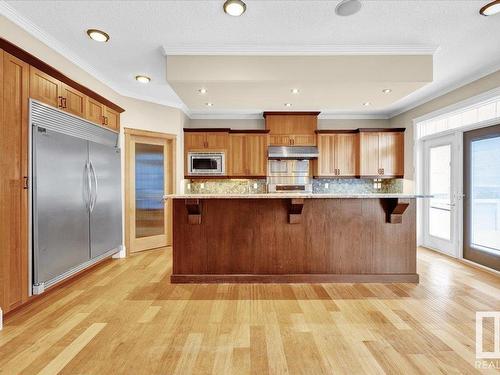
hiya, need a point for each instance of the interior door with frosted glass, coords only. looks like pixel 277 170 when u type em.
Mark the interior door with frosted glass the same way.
pixel 482 196
pixel 439 227
pixel 148 182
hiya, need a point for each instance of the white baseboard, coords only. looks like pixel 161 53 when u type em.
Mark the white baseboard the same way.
pixel 121 254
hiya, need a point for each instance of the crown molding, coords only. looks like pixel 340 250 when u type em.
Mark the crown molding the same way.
pixel 353 116
pixel 257 115
pixel 296 49
pixel 481 73
pixel 11 14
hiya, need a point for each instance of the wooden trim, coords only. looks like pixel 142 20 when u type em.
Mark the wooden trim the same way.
pixel 336 131
pixel 382 177
pixel 53 288
pixel 208 130
pixel 148 133
pixel 46 68
pixel 282 113
pixel 382 130
pixel 337 177
pixel 296 278
pixel 250 131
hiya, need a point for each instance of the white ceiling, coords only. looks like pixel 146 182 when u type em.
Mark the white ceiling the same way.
pixel 141 32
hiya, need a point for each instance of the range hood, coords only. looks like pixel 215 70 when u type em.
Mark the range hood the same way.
pixel 293 152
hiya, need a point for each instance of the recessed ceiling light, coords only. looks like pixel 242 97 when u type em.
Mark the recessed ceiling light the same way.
pixel 491 8
pixel 366 104
pixel 386 91
pixel 143 79
pixel 234 8
pixel 202 91
pixel 97 35
pixel 348 7
pixel 294 91
pixel 209 104
pixel 288 104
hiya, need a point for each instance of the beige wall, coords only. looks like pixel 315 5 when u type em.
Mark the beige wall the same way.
pixel 405 120
pixel 259 124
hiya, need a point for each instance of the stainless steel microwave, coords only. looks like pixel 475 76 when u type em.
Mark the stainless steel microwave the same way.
pixel 206 163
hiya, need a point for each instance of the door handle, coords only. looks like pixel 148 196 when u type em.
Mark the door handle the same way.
pixel 89 186
pixel 59 100
pixel 94 199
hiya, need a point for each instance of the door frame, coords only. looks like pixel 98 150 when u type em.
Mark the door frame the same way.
pixel 171 175
pixel 455 189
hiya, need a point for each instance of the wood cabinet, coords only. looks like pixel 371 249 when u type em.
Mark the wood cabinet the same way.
pixel 248 155
pixel 14 84
pixel 338 155
pixel 55 93
pixel 45 88
pixel 291 128
pixel 382 153
pixel 200 140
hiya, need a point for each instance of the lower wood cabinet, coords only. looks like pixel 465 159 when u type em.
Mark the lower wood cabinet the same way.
pixel 338 155
pixel 14 93
pixel 247 155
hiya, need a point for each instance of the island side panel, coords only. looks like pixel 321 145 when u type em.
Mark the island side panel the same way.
pixel 333 237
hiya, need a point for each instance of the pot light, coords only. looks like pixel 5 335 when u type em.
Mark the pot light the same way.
pixel 202 91
pixel 209 104
pixel 348 7
pixel 234 8
pixel 386 91
pixel 98 35
pixel 288 104
pixel 490 8
pixel 366 104
pixel 294 91
pixel 143 79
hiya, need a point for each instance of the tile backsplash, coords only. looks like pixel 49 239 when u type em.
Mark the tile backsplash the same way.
pixel 320 185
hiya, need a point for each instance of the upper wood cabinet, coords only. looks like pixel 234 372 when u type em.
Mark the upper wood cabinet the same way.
pixel 45 88
pixel 248 155
pixel 14 92
pixel 73 101
pixel 382 153
pixel 200 140
pixel 338 155
pixel 55 93
pixel 291 128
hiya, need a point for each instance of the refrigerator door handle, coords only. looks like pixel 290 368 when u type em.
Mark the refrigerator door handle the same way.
pixel 94 199
pixel 89 186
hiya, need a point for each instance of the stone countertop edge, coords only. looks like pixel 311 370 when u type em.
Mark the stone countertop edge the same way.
pixel 296 195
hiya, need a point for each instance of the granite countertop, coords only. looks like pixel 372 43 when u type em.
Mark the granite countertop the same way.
pixel 294 195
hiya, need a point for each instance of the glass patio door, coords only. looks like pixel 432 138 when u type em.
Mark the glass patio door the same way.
pixel 439 224
pixel 482 196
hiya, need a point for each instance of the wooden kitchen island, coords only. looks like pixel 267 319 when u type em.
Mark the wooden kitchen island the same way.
pixel 294 238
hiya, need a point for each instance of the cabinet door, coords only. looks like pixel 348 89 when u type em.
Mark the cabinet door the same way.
pixel 346 154
pixel 111 119
pixel 256 154
pixel 391 153
pixel 303 140
pixel 217 140
pixel 14 93
pixel 236 156
pixel 326 158
pixel 280 140
pixel 368 154
pixel 73 101
pixel 194 141
pixel 45 88
pixel 95 112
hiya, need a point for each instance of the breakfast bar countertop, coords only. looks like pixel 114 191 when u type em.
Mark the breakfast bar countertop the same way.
pixel 295 195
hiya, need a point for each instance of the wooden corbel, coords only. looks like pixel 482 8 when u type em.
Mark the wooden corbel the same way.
pixel 295 210
pixel 193 207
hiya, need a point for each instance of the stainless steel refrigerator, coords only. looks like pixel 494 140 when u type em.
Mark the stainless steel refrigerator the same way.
pixel 76 211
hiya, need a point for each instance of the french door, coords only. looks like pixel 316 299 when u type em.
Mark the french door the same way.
pixel 440 212
pixel 482 196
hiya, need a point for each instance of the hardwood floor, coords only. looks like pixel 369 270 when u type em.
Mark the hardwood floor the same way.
pixel 126 318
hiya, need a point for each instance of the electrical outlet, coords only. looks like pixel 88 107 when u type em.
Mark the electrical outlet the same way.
pixel 255 186
pixel 327 185
pixel 202 185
